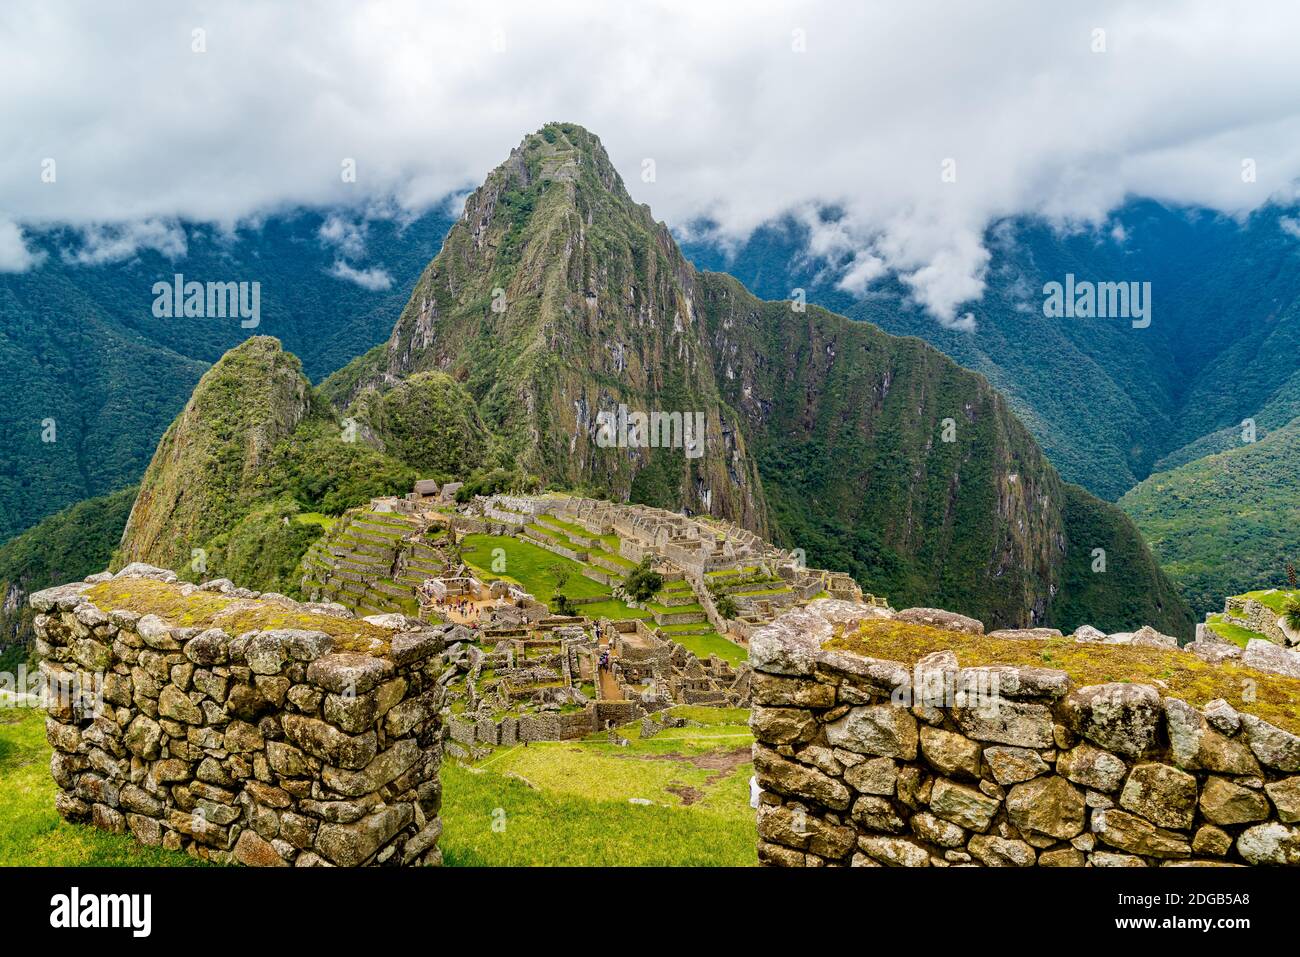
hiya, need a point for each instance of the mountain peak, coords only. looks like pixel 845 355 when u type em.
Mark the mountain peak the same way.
pixel 561 306
pixel 559 153
pixel 560 147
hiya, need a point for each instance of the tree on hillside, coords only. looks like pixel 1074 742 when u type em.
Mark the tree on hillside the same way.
pixel 726 606
pixel 558 598
pixel 643 581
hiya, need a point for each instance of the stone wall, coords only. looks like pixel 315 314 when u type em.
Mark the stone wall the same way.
pixel 1259 618
pixel 870 762
pixel 271 747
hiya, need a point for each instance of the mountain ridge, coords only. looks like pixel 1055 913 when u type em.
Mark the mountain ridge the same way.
pixel 599 306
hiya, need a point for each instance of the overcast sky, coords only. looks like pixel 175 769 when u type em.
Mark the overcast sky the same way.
pixel 1060 109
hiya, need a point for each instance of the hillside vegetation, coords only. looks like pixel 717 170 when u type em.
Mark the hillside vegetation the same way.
pixel 1226 523
pixel 67 546
pixel 79 344
pixel 253 449
pixel 1107 402
pixel 556 298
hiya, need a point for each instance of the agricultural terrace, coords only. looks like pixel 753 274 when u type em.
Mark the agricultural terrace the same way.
pixel 674 610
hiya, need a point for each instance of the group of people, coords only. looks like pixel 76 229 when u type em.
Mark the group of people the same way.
pixel 461 606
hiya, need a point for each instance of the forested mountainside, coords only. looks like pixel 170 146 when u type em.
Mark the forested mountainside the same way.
pixel 1227 523
pixel 95 377
pixel 556 298
pixel 1108 403
pixel 66 546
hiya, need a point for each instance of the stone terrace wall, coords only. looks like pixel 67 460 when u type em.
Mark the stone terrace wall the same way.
pixel 853 771
pixel 266 748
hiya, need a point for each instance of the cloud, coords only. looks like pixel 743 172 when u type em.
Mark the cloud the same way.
pixel 102 244
pixel 348 237
pixel 964 323
pixel 423 100
pixel 864 268
pixel 374 279
pixel 14 254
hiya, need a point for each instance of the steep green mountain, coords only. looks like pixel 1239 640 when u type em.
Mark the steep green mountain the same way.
pixel 66 546
pixel 1108 403
pixel 251 451
pixel 556 300
pixel 92 378
pixel 429 422
pixel 1226 523
pixel 242 407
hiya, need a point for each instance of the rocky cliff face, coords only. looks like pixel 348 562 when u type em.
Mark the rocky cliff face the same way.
pixel 556 299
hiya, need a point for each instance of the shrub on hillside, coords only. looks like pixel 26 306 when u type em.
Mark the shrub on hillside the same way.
pixel 643 581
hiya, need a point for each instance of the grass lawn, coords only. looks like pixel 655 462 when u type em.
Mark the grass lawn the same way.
pixel 1230 630
pixel 528 565
pixel 701 646
pixel 576 813
pixel 612 609
pixel 1274 599
pixel 316 518
pixel 570 527
pixel 568 802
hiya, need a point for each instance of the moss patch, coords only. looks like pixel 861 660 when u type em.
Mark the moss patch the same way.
pixel 1177 673
pixel 233 615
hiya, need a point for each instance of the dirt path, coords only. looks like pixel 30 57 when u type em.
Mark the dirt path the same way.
pixel 608 683
pixel 449 613
pixel 608 686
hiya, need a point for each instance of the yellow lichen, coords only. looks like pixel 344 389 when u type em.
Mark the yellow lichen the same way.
pixel 1176 673
pixel 202 609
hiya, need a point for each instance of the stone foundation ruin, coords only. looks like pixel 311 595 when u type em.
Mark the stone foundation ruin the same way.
pixel 274 734
pixel 870 762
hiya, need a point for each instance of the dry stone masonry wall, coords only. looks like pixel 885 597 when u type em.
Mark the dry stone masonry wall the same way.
pixel 270 747
pixel 870 762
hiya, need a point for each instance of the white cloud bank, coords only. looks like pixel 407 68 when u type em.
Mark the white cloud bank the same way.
pixel 743 127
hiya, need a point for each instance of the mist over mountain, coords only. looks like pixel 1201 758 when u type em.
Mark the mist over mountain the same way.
pixel 1109 403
